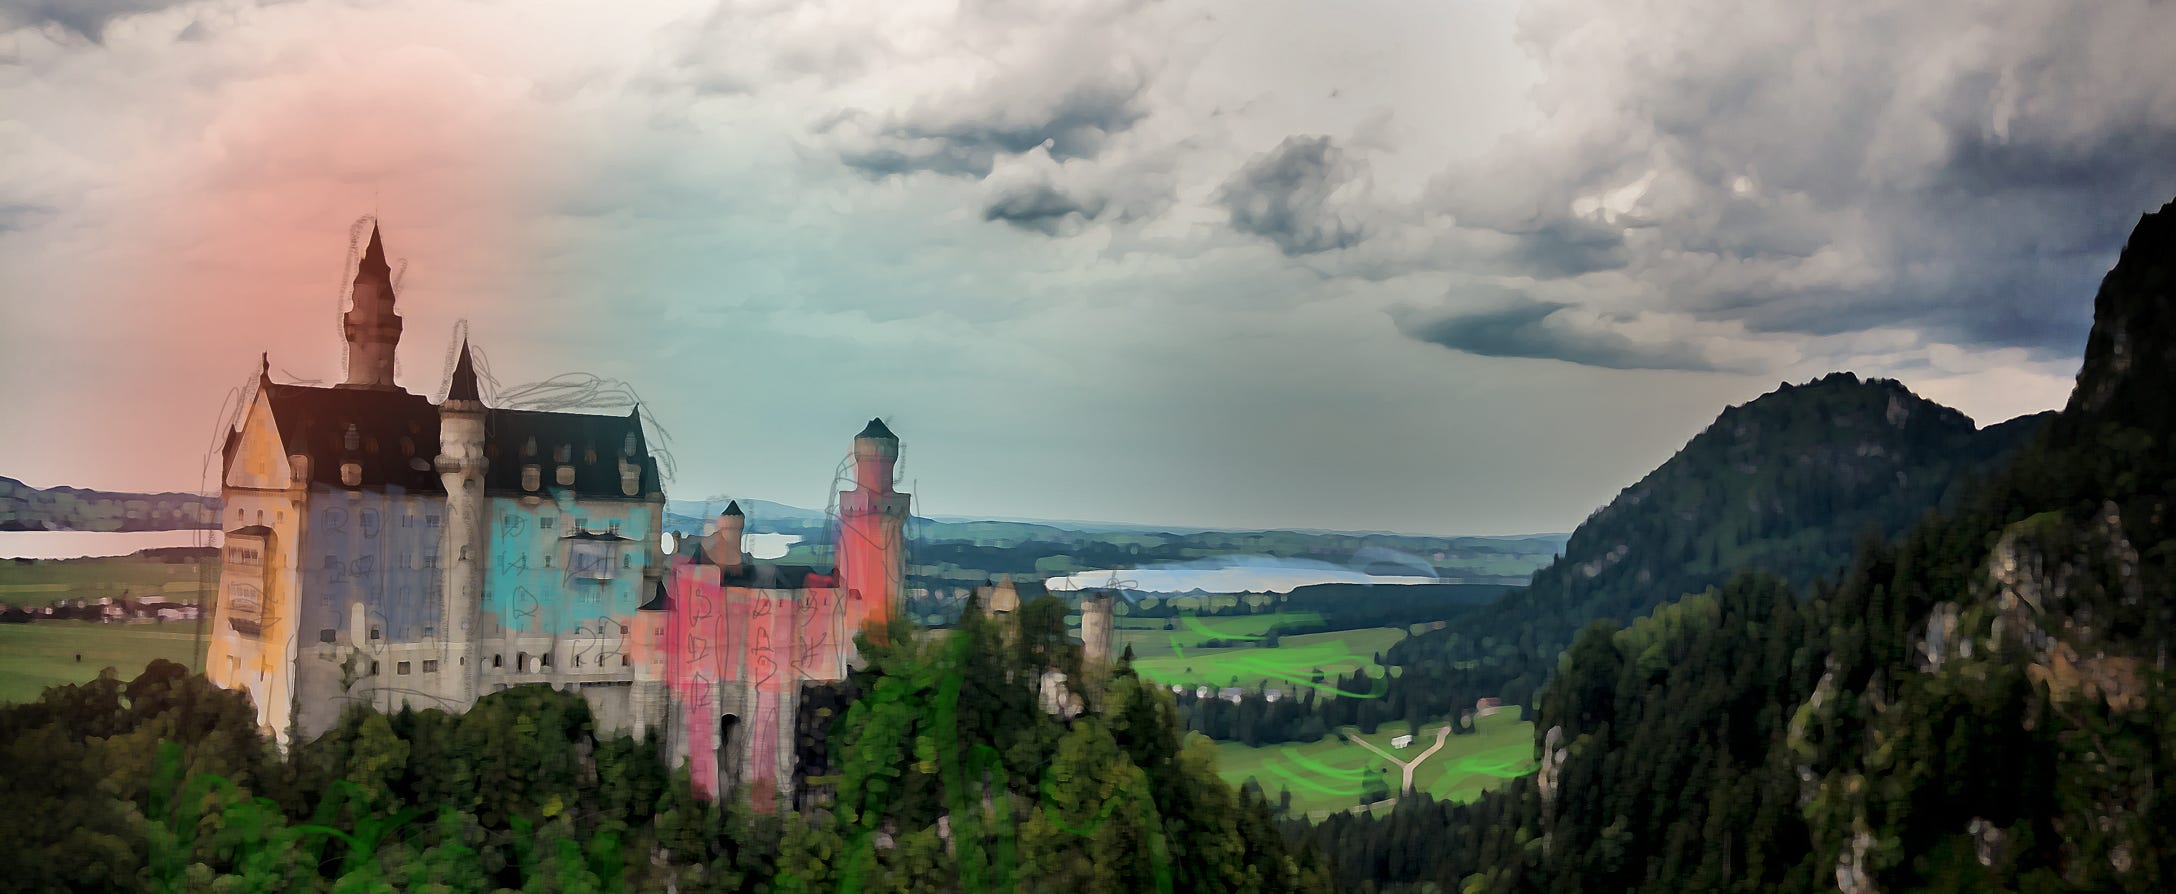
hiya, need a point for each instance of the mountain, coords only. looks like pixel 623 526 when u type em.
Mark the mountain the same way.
pixel 1789 483
pixel 26 508
pixel 1982 705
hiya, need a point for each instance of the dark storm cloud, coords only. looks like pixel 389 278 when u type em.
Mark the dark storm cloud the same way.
pixel 1285 195
pixel 1528 330
pixel 1040 207
pixel 1815 170
pixel 86 19
pixel 1076 123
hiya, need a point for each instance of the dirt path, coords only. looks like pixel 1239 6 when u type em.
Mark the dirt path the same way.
pixel 1442 732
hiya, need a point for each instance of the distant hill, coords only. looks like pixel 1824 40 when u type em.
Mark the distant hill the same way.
pixel 26 508
pixel 1789 483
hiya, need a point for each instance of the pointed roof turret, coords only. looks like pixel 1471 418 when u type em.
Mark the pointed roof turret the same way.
pixel 876 430
pixel 374 256
pixel 732 507
pixel 463 386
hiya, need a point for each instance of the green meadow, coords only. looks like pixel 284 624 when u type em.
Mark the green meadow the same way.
pixel 39 654
pixel 1173 651
pixel 43 581
pixel 1329 774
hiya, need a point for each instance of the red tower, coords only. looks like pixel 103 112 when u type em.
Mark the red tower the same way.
pixel 872 530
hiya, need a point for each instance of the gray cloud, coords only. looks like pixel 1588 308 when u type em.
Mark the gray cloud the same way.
pixel 965 136
pixel 1812 170
pixel 1569 247
pixel 1041 207
pixel 1287 195
pixel 1540 330
pixel 86 19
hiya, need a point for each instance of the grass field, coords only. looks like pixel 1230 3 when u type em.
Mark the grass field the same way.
pixel 1290 664
pixel 43 653
pixel 1328 774
pixel 43 581
pixel 1150 638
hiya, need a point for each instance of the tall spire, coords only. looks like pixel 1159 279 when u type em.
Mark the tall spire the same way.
pixel 373 256
pixel 463 386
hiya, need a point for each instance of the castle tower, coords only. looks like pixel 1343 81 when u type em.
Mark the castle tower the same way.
pixel 724 546
pixel 1095 633
pixel 373 329
pixel 461 464
pixel 872 529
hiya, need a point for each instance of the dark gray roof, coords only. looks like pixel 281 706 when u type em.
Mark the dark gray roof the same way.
pixel 877 429
pixel 396 433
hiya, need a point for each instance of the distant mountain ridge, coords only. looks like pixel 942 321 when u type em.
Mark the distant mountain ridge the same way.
pixel 26 508
pixel 1787 483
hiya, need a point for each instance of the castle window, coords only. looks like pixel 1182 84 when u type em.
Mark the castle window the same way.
pixel 353 439
pixel 623 661
pixel 612 526
pixel 564 454
pixel 549 522
pixel 544 660
pixel 430 521
pixel 373 667
pixel 577 661
pixel 327 634
pixel 498 661
pixel 628 446
pixel 521 662
pixel 375 633
pixel 623 630
pixel 547 560
pixel 627 561
pixel 580 523
pixel 400 667
pixel 430 665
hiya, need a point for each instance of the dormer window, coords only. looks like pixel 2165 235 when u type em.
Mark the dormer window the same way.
pixel 353 440
pixel 351 474
pixel 531 477
pixel 628 447
pixel 528 448
pixel 566 476
pixel 564 454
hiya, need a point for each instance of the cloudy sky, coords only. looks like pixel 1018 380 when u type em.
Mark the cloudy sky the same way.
pixel 1455 267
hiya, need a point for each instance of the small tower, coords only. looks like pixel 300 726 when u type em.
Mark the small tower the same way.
pixel 1095 634
pixel 872 528
pixel 724 545
pixel 461 464
pixel 373 329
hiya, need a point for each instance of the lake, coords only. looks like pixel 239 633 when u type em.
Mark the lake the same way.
pixel 77 544
pixel 1239 574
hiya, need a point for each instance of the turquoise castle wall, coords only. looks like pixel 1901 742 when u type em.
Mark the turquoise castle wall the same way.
pixel 528 585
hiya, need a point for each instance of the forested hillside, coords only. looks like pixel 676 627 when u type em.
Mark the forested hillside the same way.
pixel 1787 484
pixel 941 774
pixel 1984 705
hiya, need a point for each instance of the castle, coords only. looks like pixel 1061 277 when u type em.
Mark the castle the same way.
pixel 385 550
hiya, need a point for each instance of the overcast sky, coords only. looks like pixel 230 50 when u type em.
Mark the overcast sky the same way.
pixel 1450 267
